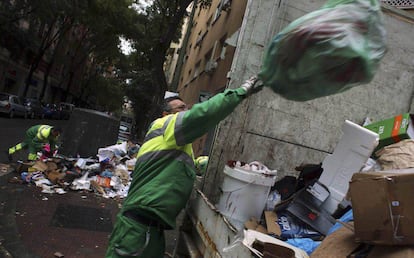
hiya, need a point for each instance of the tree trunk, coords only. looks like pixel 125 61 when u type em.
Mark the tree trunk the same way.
pixel 33 68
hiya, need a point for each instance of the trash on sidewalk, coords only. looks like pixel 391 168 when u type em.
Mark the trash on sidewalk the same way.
pixel 108 175
pixel 58 255
pixel 292 212
pixel 5 169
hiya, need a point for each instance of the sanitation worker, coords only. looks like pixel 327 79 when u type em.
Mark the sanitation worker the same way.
pixel 36 138
pixel 164 173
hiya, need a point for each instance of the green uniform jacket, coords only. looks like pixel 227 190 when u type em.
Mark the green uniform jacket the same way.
pixel 36 140
pixel 164 173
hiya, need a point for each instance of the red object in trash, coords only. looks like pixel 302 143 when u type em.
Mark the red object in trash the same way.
pixel 103 181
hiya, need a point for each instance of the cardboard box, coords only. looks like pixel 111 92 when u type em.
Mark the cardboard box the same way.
pixel 383 209
pixel 393 130
pixel 391 252
pixel 341 244
pixel 271 223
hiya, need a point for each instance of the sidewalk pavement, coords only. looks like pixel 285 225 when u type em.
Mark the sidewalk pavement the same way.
pixel 76 224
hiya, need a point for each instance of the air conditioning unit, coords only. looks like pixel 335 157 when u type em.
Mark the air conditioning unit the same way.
pixel 210 66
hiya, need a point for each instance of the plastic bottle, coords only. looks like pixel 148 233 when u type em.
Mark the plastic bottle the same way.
pixel 272 200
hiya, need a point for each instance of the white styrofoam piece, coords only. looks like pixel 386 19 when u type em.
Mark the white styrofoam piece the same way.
pixel 349 156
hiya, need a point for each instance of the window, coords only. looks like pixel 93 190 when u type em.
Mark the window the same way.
pixel 224 5
pixel 196 70
pixel 204 96
pixel 220 44
pixel 208 56
pixel 208 23
pixel 217 14
pixel 200 38
pixel 210 64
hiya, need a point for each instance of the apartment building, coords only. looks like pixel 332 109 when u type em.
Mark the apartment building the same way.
pixel 60 64
pixel 208 54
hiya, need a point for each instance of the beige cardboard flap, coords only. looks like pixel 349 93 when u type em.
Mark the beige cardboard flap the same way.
pixel 271 223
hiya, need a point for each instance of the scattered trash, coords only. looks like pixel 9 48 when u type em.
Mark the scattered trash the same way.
pixel 108 175
pixel 58 254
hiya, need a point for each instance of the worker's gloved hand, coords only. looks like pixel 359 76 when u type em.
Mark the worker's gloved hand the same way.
pixel 252 85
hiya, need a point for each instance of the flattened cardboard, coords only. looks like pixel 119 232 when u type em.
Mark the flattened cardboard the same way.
pixel 253 224
pixel 54 176
pixel 271 223
pixel 383 209
pixel 40 166
pixel 339 244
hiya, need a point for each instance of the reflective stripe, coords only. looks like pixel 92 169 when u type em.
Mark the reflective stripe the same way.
pixel 179 136
pixel 32 156
pixel 158 132
pixel 15 148
pixel 161 142
pixel 43 132
pixel 175 154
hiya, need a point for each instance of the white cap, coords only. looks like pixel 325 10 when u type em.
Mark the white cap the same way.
pixel 170 94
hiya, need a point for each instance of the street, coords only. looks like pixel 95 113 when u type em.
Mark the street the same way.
pixel 30 213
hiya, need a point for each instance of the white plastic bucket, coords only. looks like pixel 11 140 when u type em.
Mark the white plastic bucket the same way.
pixel 244 194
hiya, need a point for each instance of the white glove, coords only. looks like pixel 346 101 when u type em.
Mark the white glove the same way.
pixel 251 86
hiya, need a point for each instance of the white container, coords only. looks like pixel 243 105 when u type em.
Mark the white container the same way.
pixel 244 194
pixel 349 156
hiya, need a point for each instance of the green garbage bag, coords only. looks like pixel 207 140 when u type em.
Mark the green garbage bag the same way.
pixel 326 51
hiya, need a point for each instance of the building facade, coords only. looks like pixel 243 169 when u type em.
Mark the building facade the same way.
pixel 209 43
pixel 45 57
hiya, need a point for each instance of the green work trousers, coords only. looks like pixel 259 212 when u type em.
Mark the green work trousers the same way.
pixel 130 238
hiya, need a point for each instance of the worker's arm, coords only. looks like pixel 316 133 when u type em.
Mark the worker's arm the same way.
pixel 53 144
pixel 204 116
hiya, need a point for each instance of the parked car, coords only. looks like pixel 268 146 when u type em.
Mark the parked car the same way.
pixel 12 105
pixel 51 111
pixel 124 132
pixel 65 110
pixel 34 108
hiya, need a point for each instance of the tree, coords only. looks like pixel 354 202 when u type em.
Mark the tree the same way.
pixel 156 28
pixel 76 35
pixel 50 20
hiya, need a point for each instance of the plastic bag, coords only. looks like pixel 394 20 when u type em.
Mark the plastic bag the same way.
pixel 326 51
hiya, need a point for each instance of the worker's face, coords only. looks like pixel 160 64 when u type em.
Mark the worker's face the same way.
pixel 177 106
